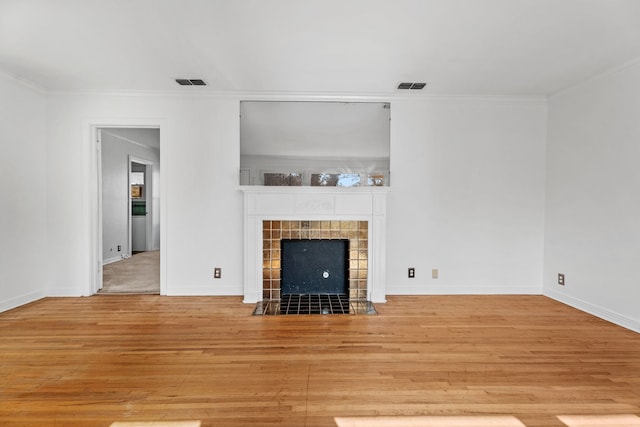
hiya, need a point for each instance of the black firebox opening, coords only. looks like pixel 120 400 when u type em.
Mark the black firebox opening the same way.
pixel 314 267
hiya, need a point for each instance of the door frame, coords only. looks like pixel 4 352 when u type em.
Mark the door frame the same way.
pixel 91 258
pixel 148 188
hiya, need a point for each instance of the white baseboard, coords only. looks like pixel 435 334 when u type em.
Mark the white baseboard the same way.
pixel 603 313
pixel 203 292
pixel 12 303
pixel 65 292
pixel 112 260
pixel 423 289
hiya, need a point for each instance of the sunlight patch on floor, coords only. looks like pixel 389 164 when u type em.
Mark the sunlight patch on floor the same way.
pixel 600 420
pixel 429 421
pixel 622 420
pixel 156 424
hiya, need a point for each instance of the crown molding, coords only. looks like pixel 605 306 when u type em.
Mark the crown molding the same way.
pixel 23 82
pixel 599 76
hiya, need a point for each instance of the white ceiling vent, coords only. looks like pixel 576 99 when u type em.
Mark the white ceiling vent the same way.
pixel 191 82
pixel 412 86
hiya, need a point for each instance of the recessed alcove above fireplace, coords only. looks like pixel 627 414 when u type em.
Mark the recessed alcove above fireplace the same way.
pixel 314 143
pixel 355 215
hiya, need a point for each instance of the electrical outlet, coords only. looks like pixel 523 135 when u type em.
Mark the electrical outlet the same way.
pixel 560 279
pixel 411 272
pixel 217 273
pixel 434 273
pixel 119 248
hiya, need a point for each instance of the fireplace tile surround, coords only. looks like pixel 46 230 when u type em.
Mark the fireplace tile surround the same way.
pixel 275 213
pixel 356 232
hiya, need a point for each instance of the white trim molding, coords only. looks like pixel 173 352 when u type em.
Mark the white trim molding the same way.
pixel 21 300
pixel 595 310
pixel 91 262
pixel 314 204
pixel 427 288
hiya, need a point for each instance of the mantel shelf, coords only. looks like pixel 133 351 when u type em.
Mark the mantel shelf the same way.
pixel 309 189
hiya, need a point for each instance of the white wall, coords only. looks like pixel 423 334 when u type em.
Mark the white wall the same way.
pixel 593 196
pixel 115 197
pixel 467 192
pixel 202 218
pixel 23 174
pixel 467 196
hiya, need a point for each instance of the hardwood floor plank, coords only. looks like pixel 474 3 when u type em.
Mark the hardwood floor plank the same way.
pixel 94 361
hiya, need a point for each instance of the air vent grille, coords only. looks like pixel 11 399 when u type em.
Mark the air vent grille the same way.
pixel 191 82
pixel 411 86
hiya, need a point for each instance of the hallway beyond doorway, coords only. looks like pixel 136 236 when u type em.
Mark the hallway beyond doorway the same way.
pixel 139 274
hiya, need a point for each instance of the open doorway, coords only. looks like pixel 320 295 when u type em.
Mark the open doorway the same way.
pixel 130 209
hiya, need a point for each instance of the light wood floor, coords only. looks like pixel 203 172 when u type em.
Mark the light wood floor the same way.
pixel 93 361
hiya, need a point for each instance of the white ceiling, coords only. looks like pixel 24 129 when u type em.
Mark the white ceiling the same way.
pixel 471 47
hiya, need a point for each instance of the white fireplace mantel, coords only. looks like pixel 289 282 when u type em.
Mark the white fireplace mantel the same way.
pixel 314 204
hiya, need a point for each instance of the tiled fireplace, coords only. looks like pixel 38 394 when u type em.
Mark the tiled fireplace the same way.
pixel 355 215
pixel 353 233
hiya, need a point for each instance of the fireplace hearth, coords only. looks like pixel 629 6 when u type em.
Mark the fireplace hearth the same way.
pixel 313 304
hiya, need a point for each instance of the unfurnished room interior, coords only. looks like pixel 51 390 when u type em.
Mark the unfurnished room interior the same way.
pixel 350 213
